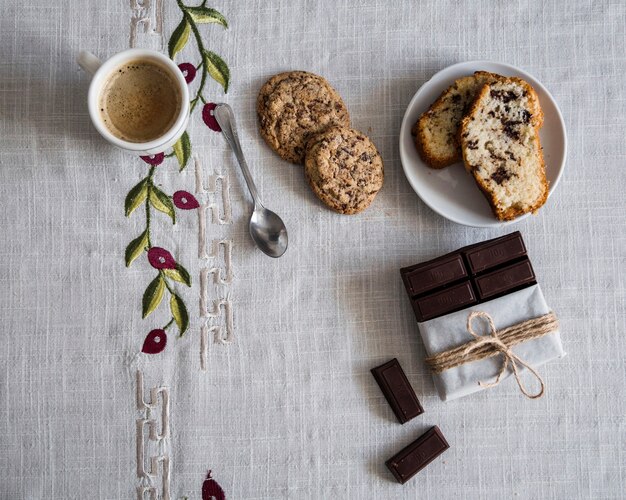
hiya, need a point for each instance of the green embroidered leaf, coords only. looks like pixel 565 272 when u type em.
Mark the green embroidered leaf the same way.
pixel 162 202
pixel 179 274
pixel 182 150
pixel 179 312
pixel 179 38
pixel 136 196
pixel 136 247
pixel 217 68
pixel 204 15
pixel 153 295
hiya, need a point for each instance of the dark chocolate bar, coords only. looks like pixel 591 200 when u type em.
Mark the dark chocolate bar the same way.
pixel 444 302
pixel 397 390
pixel 468 276
pixel 505 280
pixel 412 459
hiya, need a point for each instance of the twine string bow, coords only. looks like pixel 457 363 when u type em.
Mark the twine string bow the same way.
pixel 493 340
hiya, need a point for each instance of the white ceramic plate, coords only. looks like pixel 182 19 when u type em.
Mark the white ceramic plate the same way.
pixel 451 191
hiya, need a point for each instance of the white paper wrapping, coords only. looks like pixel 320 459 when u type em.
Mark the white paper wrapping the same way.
pixel 449 331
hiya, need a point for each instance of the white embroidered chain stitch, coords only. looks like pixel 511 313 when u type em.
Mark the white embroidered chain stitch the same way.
pixel 152 473
pixel 223 333
pixel 221 257
pixel 221 276
pixel 140 19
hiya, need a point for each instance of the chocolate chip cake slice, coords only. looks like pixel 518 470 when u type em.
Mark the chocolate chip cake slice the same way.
pixel 501 148
pixel 436 132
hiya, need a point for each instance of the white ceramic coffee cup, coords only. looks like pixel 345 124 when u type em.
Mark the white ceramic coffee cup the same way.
pixel 101 71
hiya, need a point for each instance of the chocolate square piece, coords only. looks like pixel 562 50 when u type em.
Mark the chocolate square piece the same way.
pixel 505 280
pixel 445 301
pixel 397 390
pixel 492 253
pixel 433 274
pixel 412 459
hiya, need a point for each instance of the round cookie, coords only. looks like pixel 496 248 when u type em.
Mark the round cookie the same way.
pixel 344 169
pixel 294 106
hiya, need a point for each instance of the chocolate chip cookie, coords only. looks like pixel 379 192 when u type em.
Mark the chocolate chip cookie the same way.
pixel 294 106
pixel 344 169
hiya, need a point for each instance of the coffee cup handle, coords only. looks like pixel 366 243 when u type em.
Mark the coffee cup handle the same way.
pixel 88 62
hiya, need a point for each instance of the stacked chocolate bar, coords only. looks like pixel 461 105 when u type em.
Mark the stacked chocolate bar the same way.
pixel 469 276
pixel 494 277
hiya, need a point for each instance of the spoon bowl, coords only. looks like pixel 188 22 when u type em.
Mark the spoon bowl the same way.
pixel 268 232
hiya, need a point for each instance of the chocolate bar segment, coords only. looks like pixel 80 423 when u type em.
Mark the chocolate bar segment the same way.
pixel 505 280
pixel 412 459
pixel 433 274
pixel 397 390
pixel 492 253
pixel 443 302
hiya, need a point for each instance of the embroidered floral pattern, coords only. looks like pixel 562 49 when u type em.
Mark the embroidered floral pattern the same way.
pixel 168 270
pixel 155 342
pixel 210 63
pixel 185 200
pixel 146 193
pixel 160 258
pixel 208 118
pixel 188 70
pixel 211 490
pixel 154 160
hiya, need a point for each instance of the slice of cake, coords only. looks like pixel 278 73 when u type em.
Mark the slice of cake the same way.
pixel 436 132
pixel 500 143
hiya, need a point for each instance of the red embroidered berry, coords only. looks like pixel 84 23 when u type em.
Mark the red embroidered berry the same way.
pixel 211 490
pixel 188 70
pixel 185 200
pixel 208 118
pixel 155 342
pixel 160 258
pixel 154 160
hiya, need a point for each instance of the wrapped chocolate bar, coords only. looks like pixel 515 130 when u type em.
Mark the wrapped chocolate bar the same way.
pixel 483 317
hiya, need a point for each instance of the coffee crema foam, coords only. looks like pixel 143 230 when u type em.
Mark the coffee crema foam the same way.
pixel 140 101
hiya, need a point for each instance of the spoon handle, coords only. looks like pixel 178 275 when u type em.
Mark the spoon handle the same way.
pixel 223 113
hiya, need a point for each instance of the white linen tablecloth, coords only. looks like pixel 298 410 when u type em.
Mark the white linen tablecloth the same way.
pixel 288 408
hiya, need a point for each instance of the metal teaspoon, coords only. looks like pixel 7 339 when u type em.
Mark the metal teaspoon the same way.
pixel 266 228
